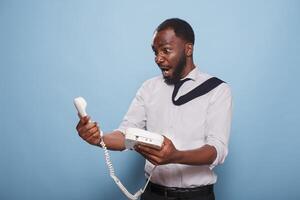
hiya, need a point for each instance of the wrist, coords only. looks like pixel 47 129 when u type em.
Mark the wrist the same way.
pixel 177 157
pixel 100 140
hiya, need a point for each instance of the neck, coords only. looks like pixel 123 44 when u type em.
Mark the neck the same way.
pixel 188 67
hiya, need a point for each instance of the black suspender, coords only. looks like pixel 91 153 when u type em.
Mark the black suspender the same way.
pixel 200 90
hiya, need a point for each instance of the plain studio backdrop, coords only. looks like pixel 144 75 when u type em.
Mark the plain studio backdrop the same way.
pixel 53 51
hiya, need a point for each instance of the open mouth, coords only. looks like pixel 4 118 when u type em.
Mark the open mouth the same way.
pixel 165 71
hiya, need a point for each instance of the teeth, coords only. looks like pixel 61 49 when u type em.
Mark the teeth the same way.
pixel 165 72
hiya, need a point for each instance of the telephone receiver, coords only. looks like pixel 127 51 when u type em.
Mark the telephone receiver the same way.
pixel 81 104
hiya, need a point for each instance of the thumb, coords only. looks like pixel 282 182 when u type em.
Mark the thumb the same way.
pixel 84 120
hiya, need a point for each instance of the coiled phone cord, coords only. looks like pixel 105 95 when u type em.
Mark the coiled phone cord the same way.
pixel 115 178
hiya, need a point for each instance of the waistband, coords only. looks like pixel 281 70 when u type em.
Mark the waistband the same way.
pixel 180 192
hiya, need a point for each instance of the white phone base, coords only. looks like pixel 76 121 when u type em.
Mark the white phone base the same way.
pixel 134 136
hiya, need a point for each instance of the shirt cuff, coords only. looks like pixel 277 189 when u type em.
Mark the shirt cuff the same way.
pixel 221 152
pixel 122 130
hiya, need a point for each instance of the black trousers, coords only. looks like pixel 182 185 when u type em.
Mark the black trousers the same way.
pixel 157 192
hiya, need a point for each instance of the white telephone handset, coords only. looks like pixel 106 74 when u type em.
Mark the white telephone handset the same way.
pixel 80 105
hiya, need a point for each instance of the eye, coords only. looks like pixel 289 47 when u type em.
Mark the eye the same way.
pixel 155 52
pixel 166 50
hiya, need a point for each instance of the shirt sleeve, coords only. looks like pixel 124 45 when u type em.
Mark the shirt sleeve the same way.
pixel 218 122
pixel 136 115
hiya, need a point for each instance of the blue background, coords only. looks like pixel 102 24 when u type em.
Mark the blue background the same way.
pixel 53 51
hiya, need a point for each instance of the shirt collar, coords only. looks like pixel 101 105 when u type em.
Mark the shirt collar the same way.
pixel 192 74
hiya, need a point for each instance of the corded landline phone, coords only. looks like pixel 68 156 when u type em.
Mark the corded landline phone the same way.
pixel 133 136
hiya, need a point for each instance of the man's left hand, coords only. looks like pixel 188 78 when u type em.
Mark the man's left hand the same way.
pixel 165 155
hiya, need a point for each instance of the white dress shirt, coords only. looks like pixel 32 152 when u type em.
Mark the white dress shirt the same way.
pixel 203 120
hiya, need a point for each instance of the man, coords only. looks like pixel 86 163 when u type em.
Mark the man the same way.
pixel 196 131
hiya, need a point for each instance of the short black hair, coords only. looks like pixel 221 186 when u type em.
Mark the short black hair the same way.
pixel 181 28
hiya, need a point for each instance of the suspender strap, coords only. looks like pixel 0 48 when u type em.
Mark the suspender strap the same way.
pixel 200 90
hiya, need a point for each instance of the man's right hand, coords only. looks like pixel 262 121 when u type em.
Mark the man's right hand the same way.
pixel 89 131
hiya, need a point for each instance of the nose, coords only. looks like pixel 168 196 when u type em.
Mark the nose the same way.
pixel 159 59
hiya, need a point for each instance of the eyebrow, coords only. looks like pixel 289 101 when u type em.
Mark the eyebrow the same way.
pixel 160 45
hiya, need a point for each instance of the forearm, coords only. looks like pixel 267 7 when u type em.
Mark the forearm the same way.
pixel 204 155
pixel 114 141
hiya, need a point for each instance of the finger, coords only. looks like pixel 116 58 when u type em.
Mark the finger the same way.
pixel 83 121
pixel 85 130
pixel 148 150
pixel 88 132
pixel 147 155
pixel 151 158
pixel 87 126
pixel 94 138
pixel 94 129
pixel 97 125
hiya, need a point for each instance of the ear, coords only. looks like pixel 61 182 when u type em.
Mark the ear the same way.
pixel 189 49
